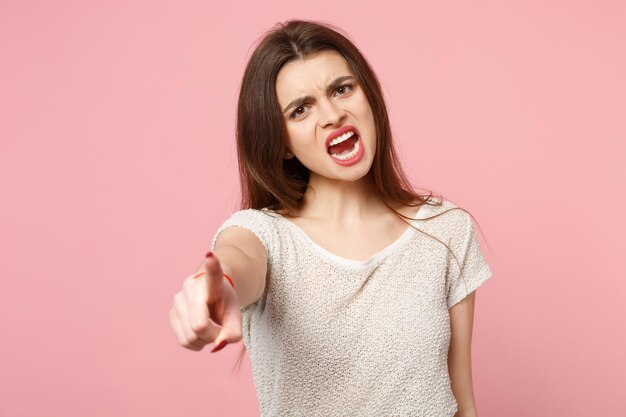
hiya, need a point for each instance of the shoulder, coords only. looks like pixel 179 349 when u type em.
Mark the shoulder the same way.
pixel 447 211
pixel 449 220
pixel 261 222
pixel 258 215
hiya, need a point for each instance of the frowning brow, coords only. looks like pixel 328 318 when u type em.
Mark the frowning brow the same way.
pixel 299 101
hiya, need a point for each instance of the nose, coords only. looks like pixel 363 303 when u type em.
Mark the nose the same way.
pixel 330 113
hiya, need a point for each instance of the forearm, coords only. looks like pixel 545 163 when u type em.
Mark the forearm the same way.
pixel 471 413
pixel 459 356
pixel 461 379
pixel 248 278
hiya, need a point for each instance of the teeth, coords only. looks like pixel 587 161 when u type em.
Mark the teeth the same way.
pixel 341 138
pixel 349 155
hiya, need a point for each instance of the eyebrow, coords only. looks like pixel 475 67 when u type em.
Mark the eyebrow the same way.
pixel 297 102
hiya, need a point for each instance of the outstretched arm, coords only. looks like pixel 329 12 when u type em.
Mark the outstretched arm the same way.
pixel 243 258
pixel 459 355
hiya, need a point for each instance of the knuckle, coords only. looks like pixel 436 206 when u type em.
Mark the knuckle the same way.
pixel 189 345
pixel 199 326
pixel 188 282
pixel 179 301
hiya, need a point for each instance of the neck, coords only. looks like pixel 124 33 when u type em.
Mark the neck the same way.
pixel 339 202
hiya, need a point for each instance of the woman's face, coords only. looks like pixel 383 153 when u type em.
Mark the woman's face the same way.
pixel 321 101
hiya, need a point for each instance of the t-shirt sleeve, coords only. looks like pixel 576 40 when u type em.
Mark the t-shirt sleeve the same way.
pixel 256 222
pixel 474 269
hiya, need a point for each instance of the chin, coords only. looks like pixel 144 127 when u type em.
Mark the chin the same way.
pixel 356 175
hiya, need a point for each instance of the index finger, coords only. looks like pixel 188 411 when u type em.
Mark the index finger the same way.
pixel 215 276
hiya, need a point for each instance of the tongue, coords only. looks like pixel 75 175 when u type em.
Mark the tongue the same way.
pixel 346 145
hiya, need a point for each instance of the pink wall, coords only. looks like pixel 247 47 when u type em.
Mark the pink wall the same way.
pixel 117 163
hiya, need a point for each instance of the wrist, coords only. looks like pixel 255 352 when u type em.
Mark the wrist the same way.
pixel 229 279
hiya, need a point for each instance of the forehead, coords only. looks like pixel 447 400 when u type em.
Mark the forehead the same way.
pixel 314 73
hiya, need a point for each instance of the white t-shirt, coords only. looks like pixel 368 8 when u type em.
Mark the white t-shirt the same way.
pixel 332 336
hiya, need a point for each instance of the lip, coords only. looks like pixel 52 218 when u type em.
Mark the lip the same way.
pixel 339 132
pixel 356 158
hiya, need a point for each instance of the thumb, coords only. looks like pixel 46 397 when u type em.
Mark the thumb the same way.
pixel 231 322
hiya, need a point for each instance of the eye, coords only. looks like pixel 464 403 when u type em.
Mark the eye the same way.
pixel 296 112
pixel 344 89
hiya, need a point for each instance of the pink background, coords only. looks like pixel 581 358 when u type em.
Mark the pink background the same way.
pixel 117 164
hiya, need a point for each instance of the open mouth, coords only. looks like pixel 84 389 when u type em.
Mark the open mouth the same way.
pixel 345 146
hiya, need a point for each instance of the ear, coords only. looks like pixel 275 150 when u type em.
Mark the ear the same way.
pixel 288 155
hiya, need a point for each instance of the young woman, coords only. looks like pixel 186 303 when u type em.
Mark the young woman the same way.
pixel 344 307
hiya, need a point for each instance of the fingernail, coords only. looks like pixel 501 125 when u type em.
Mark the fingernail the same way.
pixel 209 254
pixel 220 346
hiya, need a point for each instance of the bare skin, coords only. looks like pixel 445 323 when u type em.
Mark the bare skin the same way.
pixel 340 213
pixel 361 237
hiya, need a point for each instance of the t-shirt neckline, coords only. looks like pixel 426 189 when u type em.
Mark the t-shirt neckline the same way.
pixel 353 262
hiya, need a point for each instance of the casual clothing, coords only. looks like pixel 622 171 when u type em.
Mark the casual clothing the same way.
pixel 337 337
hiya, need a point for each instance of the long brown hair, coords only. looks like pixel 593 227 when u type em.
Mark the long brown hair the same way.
pixel 267 179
